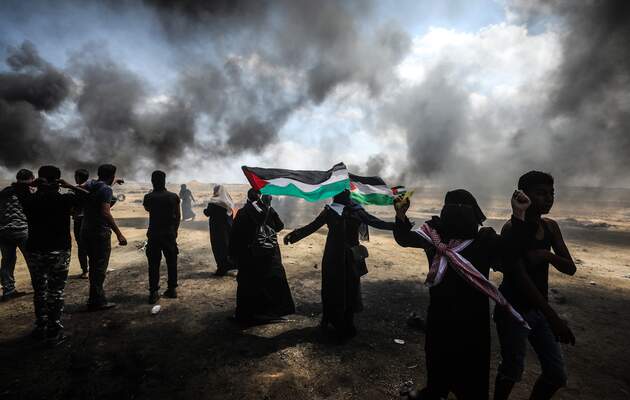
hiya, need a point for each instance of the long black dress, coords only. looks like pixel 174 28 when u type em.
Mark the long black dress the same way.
pixel 220 226
pixel 263 292
pixel 341 273
pixel 457 343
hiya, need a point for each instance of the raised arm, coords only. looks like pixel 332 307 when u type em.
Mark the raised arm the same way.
pixel 403 234
pixel 306 230
pixel 560 258
pixel 375 222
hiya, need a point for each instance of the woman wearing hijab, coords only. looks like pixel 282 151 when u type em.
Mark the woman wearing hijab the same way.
pixel 263 293
pixel 220 219
pixel 343 262
pixel 187 199
pixel 460 254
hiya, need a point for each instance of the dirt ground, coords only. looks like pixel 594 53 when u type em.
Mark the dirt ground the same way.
pixel 191 350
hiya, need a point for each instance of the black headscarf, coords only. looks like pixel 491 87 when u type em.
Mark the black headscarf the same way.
pixel 461 216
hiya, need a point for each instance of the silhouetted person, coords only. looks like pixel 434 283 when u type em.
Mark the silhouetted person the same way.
pixel 263 294
pixel 96 230
pixel 457 343
pixel 164 217
pixel 187 199
pixel 13 230
pixel 219 213
pixel 547 329
pixel 343 262
pixel 80 177
pixel 48 249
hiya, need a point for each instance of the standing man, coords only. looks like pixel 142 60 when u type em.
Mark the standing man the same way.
pixel 48 249
pixel 544 247
pixel 96 230
pixel 164 217
pixel 13 230
pixel 80 177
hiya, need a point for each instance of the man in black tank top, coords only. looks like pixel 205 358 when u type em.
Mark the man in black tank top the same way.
pixel 547 329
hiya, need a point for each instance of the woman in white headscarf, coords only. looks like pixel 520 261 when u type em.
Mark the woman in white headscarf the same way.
pixel 219 212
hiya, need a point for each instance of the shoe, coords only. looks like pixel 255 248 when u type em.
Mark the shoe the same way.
pixel 39 333
pixel 417 323
pixel 170 293
pixel 101 307
pixel 55 338
pixel 154 296
pixel 84 275
pixel 12 295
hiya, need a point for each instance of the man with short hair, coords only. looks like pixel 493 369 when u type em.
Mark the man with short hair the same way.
pixel 96 229
pixel 13 230
pixel 48 249
pixel 81 176
pixel 543 246
pixel 164 217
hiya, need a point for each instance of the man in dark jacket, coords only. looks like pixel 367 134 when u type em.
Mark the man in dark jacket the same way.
pixel 48 249
pixel 13 230
pixel 164 217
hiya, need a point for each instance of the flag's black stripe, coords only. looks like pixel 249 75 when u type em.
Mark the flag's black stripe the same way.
pixel 309 177
pixel 367 180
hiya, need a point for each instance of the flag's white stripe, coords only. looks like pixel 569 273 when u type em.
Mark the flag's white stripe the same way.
pixel 369 189
pixel 338 175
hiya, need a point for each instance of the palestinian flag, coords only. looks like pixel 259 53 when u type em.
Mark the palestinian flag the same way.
pixel 370 190
pixel 308 185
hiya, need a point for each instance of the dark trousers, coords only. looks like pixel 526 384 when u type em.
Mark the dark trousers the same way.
pixel 9 243
pixel 83 257
pixel 457 348
pixel 156 246
pixel 98 248
pixel 49 274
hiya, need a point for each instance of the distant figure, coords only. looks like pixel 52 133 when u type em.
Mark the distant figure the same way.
pixel 187 199
pixel 13 230
pixel 547 329
pixel 219 212
pixel 80 177
pixel 96 231
pixel 343 262
pixel 48 249
pixel 164 217
pixel 263 294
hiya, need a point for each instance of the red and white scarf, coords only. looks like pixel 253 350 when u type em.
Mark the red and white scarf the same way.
pixel 448 254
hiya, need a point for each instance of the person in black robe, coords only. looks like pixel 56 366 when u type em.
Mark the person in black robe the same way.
pixel 263 293
pixel 220 221
pixel 457 341
pixel 187 199
pixel 343 262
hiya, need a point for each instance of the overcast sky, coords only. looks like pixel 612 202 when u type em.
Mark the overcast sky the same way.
pixel 455 92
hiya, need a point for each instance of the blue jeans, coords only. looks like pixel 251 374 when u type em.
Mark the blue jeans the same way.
pixel 513 338
pixel 9 243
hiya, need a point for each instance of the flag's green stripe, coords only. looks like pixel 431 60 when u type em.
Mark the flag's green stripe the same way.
pixel 321 193
pixel 376 199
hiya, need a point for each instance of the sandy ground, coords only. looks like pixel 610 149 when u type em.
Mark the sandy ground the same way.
pixel 191 350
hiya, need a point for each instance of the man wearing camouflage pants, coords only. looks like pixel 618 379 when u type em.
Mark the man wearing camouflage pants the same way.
pixel 13 230
pixel 48 249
